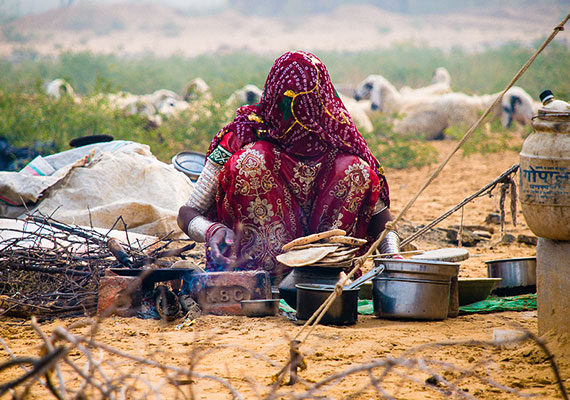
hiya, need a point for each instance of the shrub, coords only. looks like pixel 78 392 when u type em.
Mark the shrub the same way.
pixel 11 34
pixel 490 137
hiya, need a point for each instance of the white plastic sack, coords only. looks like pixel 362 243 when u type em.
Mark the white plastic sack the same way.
pixel 27 186
pixel 144 191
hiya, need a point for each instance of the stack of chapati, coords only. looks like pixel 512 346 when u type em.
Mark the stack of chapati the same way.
pixel 331 249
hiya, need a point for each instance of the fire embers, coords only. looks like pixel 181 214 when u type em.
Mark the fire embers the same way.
pixel 167 304
pixel 171 306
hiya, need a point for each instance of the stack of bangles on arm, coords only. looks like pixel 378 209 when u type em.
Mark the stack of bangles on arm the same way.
pixel 216 226
pixel 204 193
pixel 201 230
pixel 390 244
pixel 202 197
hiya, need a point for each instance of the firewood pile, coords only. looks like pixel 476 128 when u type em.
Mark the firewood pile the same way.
pixel 49 268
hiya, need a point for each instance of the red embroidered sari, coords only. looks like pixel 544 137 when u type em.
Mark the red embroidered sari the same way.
pixel 297 165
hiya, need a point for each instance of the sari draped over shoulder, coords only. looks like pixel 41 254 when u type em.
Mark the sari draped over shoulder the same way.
pixel 293 165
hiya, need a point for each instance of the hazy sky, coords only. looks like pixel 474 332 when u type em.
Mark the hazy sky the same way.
pixel 12 8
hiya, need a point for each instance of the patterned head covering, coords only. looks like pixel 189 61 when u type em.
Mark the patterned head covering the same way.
pixel 301 112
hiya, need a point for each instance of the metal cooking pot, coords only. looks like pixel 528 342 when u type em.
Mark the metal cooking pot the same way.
pixel 305 275
pixel 518 275
pixel 413 289
pixel 343 310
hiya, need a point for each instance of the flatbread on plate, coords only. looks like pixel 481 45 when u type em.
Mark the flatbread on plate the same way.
pixel 352 241
pixel 316 244
pixel 313 238
pixel 303 257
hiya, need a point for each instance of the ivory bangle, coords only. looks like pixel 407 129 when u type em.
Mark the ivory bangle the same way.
pixel 198 227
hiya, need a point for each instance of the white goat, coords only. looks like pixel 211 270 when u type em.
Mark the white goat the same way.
pixel 383 95
pixel 131 104
pixel 430 117
pixel 441 75
pixel 159 96
pixel 197 89
pixel 440 83
pixel 386 98
pixel 358 111
pixel 58 88
pixel 249 94
pixel 171 107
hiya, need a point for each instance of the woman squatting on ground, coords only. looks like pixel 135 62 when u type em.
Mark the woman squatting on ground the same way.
pixel 291 165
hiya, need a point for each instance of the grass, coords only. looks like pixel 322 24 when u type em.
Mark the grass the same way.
pixel 36 118
pixel 490 137
pixel 483 72
pixel 26 115
pixel 396 151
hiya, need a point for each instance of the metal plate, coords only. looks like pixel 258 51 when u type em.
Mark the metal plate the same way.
pixel 452 254
pixel 190 163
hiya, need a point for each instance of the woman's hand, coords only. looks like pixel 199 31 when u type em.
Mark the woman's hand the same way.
pixel 219 245
pixel 219 238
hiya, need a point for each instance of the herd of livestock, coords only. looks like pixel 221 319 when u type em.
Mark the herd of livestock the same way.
pixel 427 111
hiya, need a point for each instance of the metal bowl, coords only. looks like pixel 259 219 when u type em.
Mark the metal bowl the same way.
pixel 472 290
pixel 260 308
pixel 190 163
pixel 518 275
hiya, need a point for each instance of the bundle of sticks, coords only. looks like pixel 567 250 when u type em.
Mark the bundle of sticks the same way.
pixel 49 268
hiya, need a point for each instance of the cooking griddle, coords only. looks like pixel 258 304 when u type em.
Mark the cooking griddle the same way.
pixel 155 275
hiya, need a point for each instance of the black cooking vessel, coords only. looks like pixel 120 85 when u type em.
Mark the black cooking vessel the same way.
pixel 343 310
pixel 305 275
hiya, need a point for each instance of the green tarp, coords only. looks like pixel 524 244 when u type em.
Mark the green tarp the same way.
pixel 524 302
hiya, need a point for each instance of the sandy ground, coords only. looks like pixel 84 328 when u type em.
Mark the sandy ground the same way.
pixel 248 352
pixel 129 29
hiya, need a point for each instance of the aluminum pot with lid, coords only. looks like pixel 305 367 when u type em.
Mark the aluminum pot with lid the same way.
pixel 413 289
pixel 303 275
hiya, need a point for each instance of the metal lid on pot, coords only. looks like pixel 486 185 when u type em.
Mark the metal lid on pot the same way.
pixel 419 266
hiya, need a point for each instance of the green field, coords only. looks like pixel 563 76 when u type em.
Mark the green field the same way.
pixel 26 115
